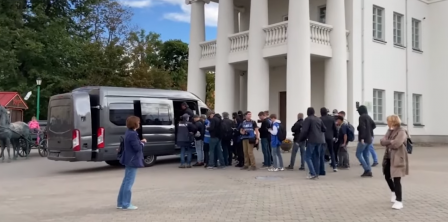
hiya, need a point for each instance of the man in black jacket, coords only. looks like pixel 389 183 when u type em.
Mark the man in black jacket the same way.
pixel 330 137
pixel 215 151
pixel 227 128
pixel 313 131
pixel 238 146
pixel 296 129
pixel 186 110
pixel 265 137
pixel 365 135
pixel 199 140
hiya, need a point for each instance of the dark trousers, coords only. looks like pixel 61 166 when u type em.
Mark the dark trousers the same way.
pixel 227 152
pixel 206 152
pixel 240 153
pixel 215 151
pixel 394 183
pixel 329 145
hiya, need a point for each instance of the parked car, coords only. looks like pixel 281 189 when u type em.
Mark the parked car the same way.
pixel 87 123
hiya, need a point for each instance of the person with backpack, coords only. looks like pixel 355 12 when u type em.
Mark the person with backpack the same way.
pixel 342 142
pixel 227 126
pixel 265 138
pixel 199 140
pixel 278 134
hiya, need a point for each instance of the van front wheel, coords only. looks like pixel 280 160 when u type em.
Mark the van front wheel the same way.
pixel 149 160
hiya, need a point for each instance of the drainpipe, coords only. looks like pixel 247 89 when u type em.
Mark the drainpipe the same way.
pixel 407 64
pixel 362 53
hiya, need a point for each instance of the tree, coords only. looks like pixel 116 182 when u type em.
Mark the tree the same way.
pixel 210 90
pixel 174 55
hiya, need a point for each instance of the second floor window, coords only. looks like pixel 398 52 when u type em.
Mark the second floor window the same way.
pixel 322 14
pixel 416 34
pixel 398 29
pixel 378 23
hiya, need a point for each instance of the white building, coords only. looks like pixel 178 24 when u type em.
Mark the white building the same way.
pixel 285 56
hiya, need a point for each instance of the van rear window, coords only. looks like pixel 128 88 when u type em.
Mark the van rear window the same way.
pixel 60 119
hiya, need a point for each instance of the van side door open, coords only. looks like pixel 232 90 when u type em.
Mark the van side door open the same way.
pixel 157 125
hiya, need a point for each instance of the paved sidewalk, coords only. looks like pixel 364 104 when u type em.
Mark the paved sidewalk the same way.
pixel 41 190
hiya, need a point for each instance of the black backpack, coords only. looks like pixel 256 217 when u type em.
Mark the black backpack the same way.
pixel 120 148
pixel 281 133
pixel 226 130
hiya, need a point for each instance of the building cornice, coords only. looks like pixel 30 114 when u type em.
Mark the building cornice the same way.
pixel 431 1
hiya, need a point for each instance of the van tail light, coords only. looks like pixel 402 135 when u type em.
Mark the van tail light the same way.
pixel 76 138
pixel 100 134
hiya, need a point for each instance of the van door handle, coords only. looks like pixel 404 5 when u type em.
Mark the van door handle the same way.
pixel 171 129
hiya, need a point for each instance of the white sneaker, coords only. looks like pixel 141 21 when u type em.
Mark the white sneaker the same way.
pixel 273 169
pixel 393 198
pixel 281 169
pixel 397 205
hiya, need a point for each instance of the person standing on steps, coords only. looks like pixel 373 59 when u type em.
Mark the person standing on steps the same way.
pixel 296 130
pixel 365 129
pixel 249 137
pixel 395 161
pixel 313 130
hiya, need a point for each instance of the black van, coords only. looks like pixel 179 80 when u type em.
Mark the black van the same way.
pixel 87 123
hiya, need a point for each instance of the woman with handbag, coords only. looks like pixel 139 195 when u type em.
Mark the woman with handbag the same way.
pixel 132 158
pixel 395 161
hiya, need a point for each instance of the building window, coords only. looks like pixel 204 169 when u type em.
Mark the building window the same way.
pixel 416 34
pixel 378 105
pixel 378 23
pixel 398 29
pixel 398 104
pixel 322 14
pixel 152 114
pixel 416 108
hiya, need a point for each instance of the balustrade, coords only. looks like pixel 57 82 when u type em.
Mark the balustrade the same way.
pixel 239 42
pixel 208 49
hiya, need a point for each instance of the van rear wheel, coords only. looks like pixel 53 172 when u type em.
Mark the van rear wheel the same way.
pixel 150 160
pixel 113 163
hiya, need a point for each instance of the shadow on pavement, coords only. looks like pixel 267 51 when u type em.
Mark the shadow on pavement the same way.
pixel 106 168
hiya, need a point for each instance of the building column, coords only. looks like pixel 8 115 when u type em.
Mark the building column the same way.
pixel 224 72
pixel 336 67
pixel 298 70
pixel 243 91
pixel 196 76
pixel 236 21
pixel 258 67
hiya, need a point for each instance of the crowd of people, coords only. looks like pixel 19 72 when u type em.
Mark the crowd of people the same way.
pixel 219 140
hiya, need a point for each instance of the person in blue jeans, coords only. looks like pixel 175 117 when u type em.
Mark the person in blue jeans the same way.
pixel 313 131
pixel 265 138
pixel 215 152
pixel 132 158
pixel 275 144
pixel 365 139
pixel 373 153
pixel 185 136
pixel 296 129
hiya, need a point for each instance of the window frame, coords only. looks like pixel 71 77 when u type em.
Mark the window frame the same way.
pixel 402 30
pixel 417 106
pixel 376 105
pixel 399 98
pixel 322 14
pixel 157 106
pixel 375 29
pixel 123 107
pixel 416 33
pixel 114 106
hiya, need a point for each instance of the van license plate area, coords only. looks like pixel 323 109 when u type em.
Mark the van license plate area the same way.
pixel 53 154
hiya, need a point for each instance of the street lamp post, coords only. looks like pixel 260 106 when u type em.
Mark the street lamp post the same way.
pixel 38 82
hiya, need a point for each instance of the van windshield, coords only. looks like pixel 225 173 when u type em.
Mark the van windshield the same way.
pixel 59 119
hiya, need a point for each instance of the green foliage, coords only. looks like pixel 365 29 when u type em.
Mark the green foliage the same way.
pixel 74 43
pixel 210 89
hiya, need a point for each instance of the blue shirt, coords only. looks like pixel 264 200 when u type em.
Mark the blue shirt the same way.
pixel 249 127
pixel 275 142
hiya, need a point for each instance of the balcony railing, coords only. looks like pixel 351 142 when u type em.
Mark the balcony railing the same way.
pixel 208 49
pixel 278 33
pixel 239 42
